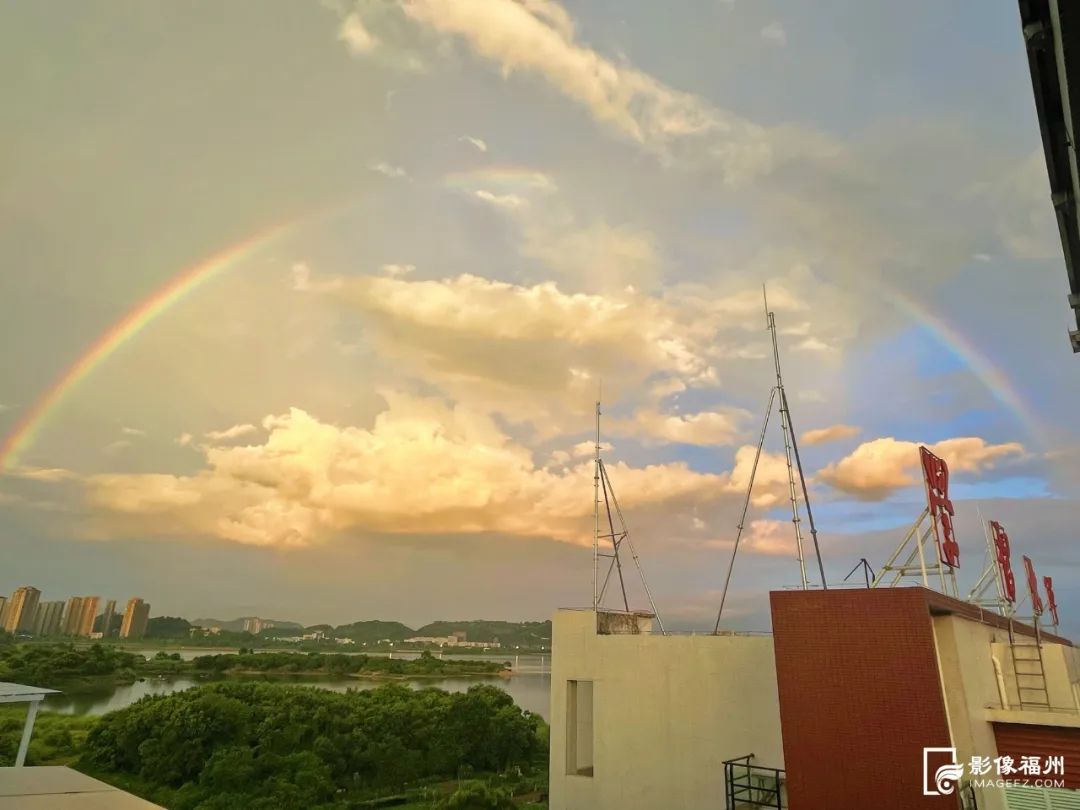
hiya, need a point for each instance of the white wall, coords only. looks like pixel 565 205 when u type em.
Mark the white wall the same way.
pixel 667 711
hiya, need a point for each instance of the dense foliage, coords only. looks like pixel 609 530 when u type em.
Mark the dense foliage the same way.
pixel 260 745
pixel 335 664
pixel 57 739
pixel 58 665
pixel 168 627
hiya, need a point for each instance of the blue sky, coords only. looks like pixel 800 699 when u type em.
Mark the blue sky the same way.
pixel 499 205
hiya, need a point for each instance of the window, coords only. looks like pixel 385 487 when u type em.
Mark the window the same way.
pixel 579 728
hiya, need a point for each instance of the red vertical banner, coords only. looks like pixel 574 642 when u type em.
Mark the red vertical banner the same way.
pixel 936 474
pixel 1051 602
pixel 1033 587
pixel 1003 556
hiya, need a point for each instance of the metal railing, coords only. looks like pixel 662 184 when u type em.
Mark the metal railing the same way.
pixel 747 785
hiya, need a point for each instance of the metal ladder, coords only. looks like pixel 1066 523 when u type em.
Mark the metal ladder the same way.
pixel 1030 674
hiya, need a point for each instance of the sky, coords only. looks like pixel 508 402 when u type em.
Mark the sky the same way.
pixel 305 306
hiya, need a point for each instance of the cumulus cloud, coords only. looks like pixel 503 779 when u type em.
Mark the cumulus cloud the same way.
pixel 470 334
pixel 772 538
pixel 397 270
pixel 230 433
pixel 833 433
pixel 184 439
pixel 876 469
pixel 424 467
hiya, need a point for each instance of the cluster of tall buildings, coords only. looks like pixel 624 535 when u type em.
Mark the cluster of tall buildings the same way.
pixel 24 612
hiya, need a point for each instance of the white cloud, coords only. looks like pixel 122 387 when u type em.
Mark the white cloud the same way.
pixel 470 333
pixel 301 275
pixel 876 469
pixel 303 281
pixel 774 34
pixel 356 36
pixel 598 257
pixel 832 433
pixel 130 431
pixel 184 439
pixel 397 270
pixel 511 201
pixel 117 446
pixel 387 170
pixel 46 474
pixel 772 538
pixel 707 428
pixel 478 143
pixel 230 433
pixel 537 37
pixel 424 467
pixel 587 449
pixel 812 344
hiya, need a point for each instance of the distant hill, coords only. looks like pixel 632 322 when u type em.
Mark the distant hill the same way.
pixel 509 634
pixel 374 630
pixel 237 625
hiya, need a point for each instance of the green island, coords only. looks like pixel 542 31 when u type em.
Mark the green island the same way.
pixel 262 745
pixel 76 668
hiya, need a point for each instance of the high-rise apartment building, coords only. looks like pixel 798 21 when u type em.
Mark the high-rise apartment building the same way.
pixel 20 612
pixel 48 619
pixel 107 617
pixel 89 613
pixel 72 616
pixel 136 615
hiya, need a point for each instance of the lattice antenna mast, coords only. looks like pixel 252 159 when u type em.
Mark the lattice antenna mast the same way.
pixel 794 463
pixel 789 437
pixel 596 515
pixel 618 533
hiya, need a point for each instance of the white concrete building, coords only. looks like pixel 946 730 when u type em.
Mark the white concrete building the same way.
pixel 641 721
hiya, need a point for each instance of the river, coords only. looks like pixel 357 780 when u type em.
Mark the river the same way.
pixel 529 685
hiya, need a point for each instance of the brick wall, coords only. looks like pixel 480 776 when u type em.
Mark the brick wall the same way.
pixel 860 697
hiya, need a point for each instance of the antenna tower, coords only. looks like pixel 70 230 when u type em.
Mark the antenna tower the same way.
pixel 794 464
pixel 617 533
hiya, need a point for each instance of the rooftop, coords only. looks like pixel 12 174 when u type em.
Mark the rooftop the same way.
pixel 59 788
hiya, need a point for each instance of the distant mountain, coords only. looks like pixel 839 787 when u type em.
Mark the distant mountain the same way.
pixel 237 625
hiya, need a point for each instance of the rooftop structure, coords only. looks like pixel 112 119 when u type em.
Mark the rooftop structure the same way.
pixel 837 709
pixel 59 788
pixel 1052 35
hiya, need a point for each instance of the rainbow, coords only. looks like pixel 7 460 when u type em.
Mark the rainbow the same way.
pixel 29 427
pixel 996 382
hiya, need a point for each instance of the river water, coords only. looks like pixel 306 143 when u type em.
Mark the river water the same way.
pixel 529 685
